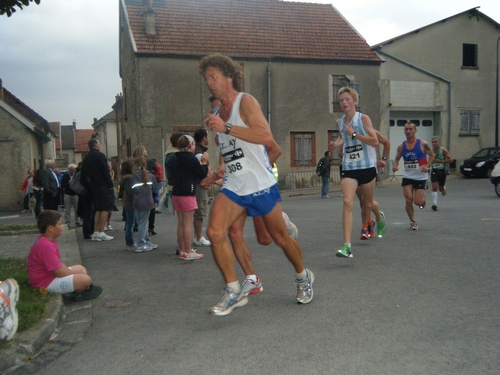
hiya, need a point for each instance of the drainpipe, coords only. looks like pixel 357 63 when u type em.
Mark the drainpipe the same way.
pixel 60 141
pixel 422 70
pixel 269 93
pixel 105 126
pixel 496 102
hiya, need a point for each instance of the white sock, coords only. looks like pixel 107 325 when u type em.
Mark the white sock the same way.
pixel 434 196
pixel 235 286
pixel 302 275
pixel 252 277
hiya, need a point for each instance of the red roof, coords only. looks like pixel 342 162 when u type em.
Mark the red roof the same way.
pixel 82 137
pixel 248 28
pixel 54 127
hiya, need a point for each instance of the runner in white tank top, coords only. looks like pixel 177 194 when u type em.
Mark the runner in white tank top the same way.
pixel 244 138
pixel 357 135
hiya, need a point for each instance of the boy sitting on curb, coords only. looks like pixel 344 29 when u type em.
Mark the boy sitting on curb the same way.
pixel 45 270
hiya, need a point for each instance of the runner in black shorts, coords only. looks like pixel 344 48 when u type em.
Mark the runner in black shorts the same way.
pixel 438 173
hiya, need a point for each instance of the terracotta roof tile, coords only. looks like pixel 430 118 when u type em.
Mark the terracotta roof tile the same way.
pixel 82 137
pixel 54 128
pixel 251 29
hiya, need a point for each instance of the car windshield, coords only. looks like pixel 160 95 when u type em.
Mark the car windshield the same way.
pixel 482 153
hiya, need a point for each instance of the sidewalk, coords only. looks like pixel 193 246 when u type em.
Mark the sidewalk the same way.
pixel 28 343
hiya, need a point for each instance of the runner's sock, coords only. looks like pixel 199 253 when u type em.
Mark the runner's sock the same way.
pixel 252 277
pixel 302 275
pixel 235 286
pixel 434 196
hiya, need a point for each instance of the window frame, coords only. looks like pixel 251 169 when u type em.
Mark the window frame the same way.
pixel 470 124
pixel 470 56
pixel 332 136
pixel 293 149
pixel 339 81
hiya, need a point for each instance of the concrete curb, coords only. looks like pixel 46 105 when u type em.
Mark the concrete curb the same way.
pixel 18 232
pixel 28 343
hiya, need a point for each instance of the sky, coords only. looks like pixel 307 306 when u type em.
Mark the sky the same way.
pixel 61 57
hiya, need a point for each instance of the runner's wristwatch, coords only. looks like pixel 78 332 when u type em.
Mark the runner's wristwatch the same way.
pixel 354 135
pixel 228 127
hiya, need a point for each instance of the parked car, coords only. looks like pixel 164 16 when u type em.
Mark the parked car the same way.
pixel 480 164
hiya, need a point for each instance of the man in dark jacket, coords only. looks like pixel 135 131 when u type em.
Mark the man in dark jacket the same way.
pixel 97 179
pixel 323 171
pixel 70 197
pixel 51 188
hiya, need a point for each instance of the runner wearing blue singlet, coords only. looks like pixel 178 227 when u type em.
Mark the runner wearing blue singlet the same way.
pixel 414 153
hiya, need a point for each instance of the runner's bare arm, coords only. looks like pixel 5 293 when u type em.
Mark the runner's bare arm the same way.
pixel 258 131
pixel 370 138
pixel 399 153
pixel 428 150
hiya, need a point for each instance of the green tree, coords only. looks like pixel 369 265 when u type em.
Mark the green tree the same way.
pixel 9 6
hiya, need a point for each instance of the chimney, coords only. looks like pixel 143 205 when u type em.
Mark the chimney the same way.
pixel 1 89
pixel 149 15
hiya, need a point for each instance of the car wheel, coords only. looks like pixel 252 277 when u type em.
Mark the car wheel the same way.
pixel 497 189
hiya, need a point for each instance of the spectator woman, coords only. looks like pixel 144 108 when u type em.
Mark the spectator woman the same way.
pixel 188 172
pixel 143 189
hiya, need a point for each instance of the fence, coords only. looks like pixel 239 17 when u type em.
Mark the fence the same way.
pixel 306 179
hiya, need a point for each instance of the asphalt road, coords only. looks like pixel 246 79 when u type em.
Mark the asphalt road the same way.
pixel 423 302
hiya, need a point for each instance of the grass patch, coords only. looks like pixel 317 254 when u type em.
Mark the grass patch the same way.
pixel 32 305
pixel 10 227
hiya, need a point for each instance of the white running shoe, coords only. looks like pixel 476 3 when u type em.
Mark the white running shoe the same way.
pixel 228 302
pixel 103 237
pixel 108 227
pixel 143 249
pixel 192 255
pixel 304 288
pixel 291 228
pixel 201 242
pixel 9 319
pixel 250 287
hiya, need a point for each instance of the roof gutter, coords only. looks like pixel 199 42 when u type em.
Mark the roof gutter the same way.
pixel 431 74
pixel 129 28
pixel 269 92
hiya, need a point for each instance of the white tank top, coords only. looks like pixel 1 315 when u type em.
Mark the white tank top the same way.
pixel 248 169
pixel 357 155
